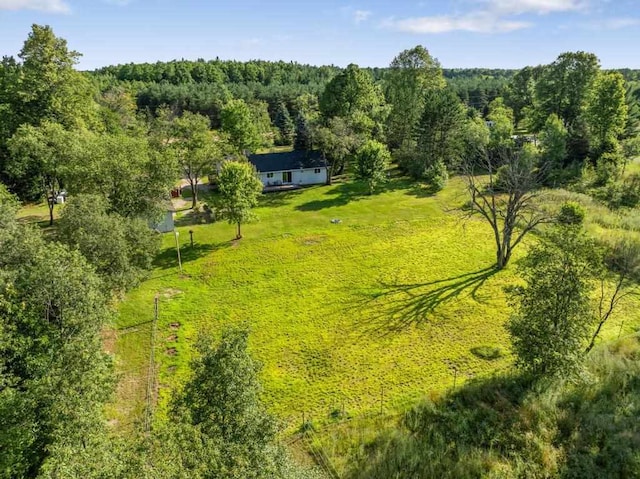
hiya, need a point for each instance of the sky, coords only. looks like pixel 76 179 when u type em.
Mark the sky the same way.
pixel 460 33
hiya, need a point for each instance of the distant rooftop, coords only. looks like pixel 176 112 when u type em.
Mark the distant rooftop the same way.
pixel 288 160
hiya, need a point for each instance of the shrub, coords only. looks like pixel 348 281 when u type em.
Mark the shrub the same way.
pixel 571 213
pixel 607 168
pixel 436 175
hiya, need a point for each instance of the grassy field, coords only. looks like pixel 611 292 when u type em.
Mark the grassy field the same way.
pixel 393 303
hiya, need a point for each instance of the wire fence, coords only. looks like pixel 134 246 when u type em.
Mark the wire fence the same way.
pixel 151 372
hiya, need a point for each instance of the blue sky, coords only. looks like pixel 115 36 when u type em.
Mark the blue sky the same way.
pixel 460 33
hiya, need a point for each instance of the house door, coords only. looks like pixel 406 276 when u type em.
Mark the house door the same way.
pixel 286 177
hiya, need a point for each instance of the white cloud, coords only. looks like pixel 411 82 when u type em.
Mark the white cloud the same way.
pixel 51 6
pixel 490 16
pixel 360 16
pixel 539 7
pixel 614 23
pixel 476 22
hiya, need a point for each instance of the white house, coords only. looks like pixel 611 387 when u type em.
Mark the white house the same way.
pixel 296 167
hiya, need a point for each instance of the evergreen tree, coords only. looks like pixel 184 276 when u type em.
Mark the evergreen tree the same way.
pixel 303 135
pixel 284 123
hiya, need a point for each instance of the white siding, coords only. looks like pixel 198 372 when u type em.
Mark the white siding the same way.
pixel 166 224
pixel 306 176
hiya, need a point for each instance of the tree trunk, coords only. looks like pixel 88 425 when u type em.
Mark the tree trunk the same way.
pixel 194 196
pixel 594 337
pixel 51 204
pixel 238 235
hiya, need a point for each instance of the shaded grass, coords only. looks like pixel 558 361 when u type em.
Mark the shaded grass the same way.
pixel 38 214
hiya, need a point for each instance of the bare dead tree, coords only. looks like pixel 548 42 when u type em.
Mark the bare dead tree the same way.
pixel 623 261
pixel 503 188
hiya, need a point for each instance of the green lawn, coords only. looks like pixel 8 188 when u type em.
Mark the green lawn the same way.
pixel 384 307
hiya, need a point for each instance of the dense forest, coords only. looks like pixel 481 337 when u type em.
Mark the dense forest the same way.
pixel 117 140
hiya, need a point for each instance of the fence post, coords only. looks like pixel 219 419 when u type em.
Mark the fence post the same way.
pixel 151 373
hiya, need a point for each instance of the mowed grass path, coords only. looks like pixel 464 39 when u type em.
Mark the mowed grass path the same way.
pixel 390 301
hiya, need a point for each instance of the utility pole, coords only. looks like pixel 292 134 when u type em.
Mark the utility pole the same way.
pixel 177 234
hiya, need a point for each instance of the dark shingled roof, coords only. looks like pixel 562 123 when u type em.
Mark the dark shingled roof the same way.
pixel 288 160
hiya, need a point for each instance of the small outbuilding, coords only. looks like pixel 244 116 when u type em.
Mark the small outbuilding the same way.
pixel 291 168
pixel 166 224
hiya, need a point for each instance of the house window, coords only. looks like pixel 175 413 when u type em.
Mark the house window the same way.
pixel 269 175
pixel 317 170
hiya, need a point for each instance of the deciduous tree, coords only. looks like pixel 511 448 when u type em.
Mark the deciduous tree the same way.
pixel 43 155
pixel 606 111
pixel 350 91
pixel 552 320
pixel 239 188
pixel 120 249
pixel 238 123
pixel 505 200
pixel 372 160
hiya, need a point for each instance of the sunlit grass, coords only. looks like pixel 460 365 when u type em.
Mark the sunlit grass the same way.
pixel 371 313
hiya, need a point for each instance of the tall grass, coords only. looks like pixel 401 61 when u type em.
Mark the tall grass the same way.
pixel 510 427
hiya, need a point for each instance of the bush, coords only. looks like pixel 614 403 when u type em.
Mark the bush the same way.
pixel 607 168
pixel 571 213
pixel 436 176
pixel 487 352
pixel 625 194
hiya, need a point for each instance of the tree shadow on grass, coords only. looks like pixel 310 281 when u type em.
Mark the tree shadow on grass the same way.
pixel 422 190
pixel 169 257
pixel 274 199
pixel 401 306
pixel 344 193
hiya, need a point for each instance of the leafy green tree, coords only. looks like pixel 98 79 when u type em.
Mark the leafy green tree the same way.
pixel 632 126
pixel 44 156
pixel 239 188
pixel 350 91
pixel 552 321
pixel 411 73
pixel 220 428
pixel 118 112
pixel 134 177
pixel 564 86
pixel 192 144
pixel 501 131
pixel 237 122
pixel 8 207
pixel 338 142
pixel 284 123
pixel 54 373
pixel 553 145
pixel 372 160
pixel 262 121
pixel 606 111
pixel 520 92
pixel 50 88
pixel 123 258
